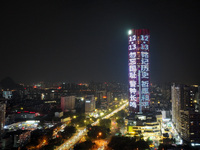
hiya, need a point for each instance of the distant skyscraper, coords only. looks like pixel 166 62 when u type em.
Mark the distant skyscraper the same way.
pixel 67 103
pixel 138 63
pixel 186 112
pixel 89 104
pixel 2 114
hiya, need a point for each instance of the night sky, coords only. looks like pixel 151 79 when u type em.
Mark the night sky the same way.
pixel 78 41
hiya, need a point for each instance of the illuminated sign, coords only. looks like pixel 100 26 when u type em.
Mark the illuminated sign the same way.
pixel 138 64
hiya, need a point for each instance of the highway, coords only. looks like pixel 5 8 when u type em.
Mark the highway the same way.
pixel 77 136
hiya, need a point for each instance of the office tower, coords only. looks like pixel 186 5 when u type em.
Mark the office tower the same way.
pixel 89 104
pixel 2 114
pixel 67 103
pixel 176 103
pixel 138 63
pixel 140 121
pixel 186 112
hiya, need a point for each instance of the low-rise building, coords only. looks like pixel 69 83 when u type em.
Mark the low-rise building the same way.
pixel 147 125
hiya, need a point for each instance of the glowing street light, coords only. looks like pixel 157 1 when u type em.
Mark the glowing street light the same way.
pixel 100 133
pixel 101 114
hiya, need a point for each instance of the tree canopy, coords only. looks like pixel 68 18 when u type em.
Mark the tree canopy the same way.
pixel 126 143
pixel 105 122
pixel 98 132
pixel 68 132
pixel 84 145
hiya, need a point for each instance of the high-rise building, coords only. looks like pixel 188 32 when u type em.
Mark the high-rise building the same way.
pixel 186 112
pixel 89 104
pixel 67 103
pixel 138 63
pixel 140 121
pixel 7 94
pixel 2 114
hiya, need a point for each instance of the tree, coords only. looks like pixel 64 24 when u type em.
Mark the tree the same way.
pixel 79 120
pixel 168 141
pixel 120 122
pixel 105 122
pixel 68 132
pixel 141 144
pixel 126 143
pixel 121 114
pixel 169 146
pixel 98 132
pixel 84 145
pixel 48 147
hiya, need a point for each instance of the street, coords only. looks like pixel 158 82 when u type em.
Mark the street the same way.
pixel 78 135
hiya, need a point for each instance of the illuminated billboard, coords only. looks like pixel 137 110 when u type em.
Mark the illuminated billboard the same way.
pixel 138 74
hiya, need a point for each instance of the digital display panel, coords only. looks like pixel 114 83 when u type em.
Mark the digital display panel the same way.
pixel 138 64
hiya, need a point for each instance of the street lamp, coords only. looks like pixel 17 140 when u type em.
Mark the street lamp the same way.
pixel 85 122
pixel 98 136
pixel 100 133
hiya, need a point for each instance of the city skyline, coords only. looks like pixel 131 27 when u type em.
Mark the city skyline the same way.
pixel 103 74
pixel 85 41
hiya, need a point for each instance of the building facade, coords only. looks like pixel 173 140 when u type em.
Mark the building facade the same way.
pixel 89 104
pixel 2 114
pixel 186 112
pixel 138 63
pixel 67 103
pixel 146 124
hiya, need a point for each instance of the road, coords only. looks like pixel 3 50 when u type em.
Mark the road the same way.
pixel 77 136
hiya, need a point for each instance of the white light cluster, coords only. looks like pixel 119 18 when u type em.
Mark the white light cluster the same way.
pixel 132 71
pixel 144 71
pixel 138 70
